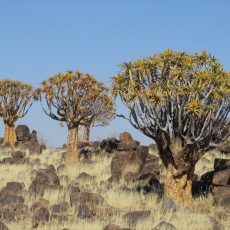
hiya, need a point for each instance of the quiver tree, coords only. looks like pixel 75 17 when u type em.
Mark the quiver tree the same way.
pixel 16 99
pixel 181 101
pixel 101 114
pixel 70 97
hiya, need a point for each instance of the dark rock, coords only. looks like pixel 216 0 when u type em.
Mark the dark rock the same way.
pixel 3 226
pixel 222 177
pixel 18 154
pixel 41 216
pixel 14 188
pixel 122 146
pixel 60 208
pixel 8 160
pixel 201 188
pixel 85 177
pixel 134 217
pixel 221 195
pixel 221 164
pixel 149 169
pixel 22 133
pixel 109 144
pixel 39 204
pixel 85 211
pixel 121 159
pixel 11 200
pixel 45 178
pixel 163 225
pixel 34 147
pixel 208 177
pixel 7 213
pixel 33 136
pixel 92 199
pixel 152 186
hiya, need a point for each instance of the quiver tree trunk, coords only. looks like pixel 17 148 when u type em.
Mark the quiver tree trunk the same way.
pixel 79 133
pixel 179 163
pixel 179 188
pixel 10 134
pixel 86 133
pixel 72 150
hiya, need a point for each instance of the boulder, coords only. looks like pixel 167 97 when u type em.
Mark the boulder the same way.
pixel 40 217
pixel 85 177
pixel 12 205
pixel 122 146
pixel 221 164
pixel 91 199
pixel 33 136
pixel 39 204
pixel 221 195
pixel 134 217
pixel 60 208
pixel 45 178
pixel 8 160
pixel 22 133
pixel 122 158
pixel 85 211
pixel 109 145
pixel 222 177
pixel 34 147
pixel 59 211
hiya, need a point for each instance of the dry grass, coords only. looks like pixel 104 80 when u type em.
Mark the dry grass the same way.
pixel 121 201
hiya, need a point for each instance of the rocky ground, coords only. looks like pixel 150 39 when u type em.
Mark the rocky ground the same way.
pixel 118 184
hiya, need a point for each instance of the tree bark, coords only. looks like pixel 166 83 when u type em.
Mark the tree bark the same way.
pixel 79 137
pixel 72 151
pixel 179 188
pixel 86 133
pixel 10 134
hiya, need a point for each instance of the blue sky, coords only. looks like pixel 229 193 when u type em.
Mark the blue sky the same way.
pixel 41 38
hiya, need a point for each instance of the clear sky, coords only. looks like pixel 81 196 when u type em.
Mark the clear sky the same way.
pixel 41 38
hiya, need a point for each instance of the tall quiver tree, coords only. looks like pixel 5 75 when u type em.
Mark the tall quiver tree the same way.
pixel 181 101
pixel 102 111
pixel 69 98
pixel 16 99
